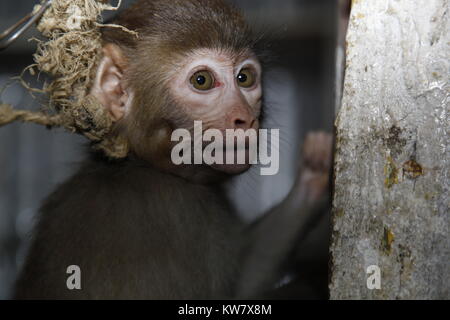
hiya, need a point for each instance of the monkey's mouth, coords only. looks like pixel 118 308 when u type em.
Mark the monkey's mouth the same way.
pixel 234 161
pixel 234 158
pixel 231 169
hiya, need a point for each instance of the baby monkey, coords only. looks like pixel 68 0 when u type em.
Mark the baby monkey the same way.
pixel 143 227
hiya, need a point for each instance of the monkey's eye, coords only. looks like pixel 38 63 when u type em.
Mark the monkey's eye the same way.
pixel 203 80
pixel 246 78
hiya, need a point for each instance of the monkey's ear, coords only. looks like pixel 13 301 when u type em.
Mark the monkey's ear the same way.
pixel 109 86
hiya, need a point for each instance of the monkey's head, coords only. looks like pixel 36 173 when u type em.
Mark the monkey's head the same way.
pixel 194 60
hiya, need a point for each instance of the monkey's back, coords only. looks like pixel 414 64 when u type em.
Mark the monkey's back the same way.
pixel 135 233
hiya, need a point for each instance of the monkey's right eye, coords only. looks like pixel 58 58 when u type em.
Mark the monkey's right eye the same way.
pixel 203 80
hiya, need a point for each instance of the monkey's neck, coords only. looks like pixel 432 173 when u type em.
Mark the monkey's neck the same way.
pixel 196 174
pixel 193 183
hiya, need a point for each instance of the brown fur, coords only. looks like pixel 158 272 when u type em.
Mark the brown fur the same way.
pixel 136 233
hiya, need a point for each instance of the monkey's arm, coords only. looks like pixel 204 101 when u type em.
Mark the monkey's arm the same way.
pixel 274 238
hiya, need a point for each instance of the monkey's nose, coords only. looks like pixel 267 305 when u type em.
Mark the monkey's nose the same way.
pixel 243 123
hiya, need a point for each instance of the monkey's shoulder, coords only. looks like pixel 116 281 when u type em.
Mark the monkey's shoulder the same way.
pixel 128 190
pixel 117 221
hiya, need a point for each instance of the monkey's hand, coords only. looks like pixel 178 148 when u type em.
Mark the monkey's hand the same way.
pixel 313 183
pixel 273 239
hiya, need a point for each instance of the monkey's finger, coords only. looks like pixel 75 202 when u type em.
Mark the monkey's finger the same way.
pixel 317 151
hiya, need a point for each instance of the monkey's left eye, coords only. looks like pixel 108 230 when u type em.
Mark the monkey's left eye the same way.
pixel 246 78
pixel 202 80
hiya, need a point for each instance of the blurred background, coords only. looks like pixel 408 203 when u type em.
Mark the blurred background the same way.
pixel 300 97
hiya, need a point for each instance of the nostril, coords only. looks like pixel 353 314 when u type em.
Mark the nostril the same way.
pixel 239 122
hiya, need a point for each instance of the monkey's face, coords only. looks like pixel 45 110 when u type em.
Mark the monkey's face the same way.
pixel 193 61
pixel 217 89
pixel 223 92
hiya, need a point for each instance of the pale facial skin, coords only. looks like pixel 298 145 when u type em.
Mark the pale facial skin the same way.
pixel 231 98
pixel 228 104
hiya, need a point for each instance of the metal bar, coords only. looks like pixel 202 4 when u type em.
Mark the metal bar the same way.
pixel 12 33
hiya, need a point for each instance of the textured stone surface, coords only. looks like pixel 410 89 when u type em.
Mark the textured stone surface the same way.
pixel 391 201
